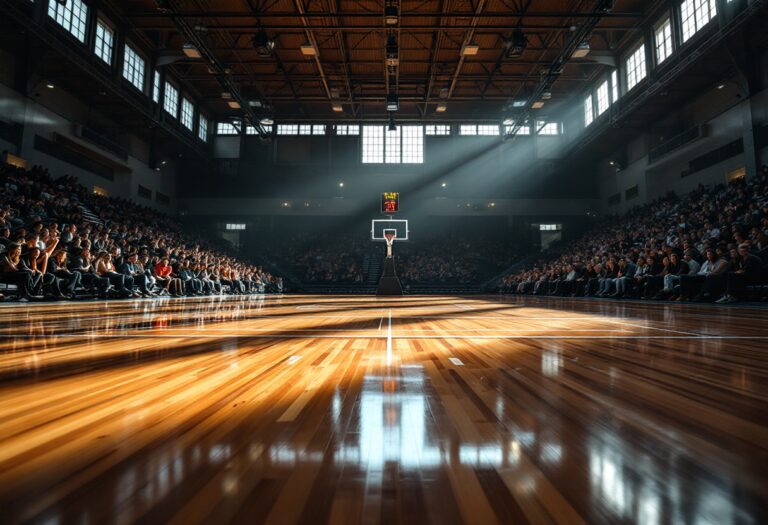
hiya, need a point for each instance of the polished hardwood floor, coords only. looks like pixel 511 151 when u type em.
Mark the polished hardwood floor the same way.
pixel 423 410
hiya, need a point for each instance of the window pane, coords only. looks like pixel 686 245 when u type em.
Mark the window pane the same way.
pixel 156 86
pixel 187 112
pixel 602 98
pixel 438 129
pixel 635 66
pixel 524 130
pixel 413 144
pixel 615 84
pixel 485 129
pixel 72 16
pixel 548 128
pixel 589 115
pixel 305 129
pixel 318 129
pixel 663 41
pixel 171 101
pixel 468 129
pixel 133 68
pixel 105 41
pixel 373 144
pixel 228 128
pixel 202 128
pixel 695 14
pixel 392 146
pixel 287 129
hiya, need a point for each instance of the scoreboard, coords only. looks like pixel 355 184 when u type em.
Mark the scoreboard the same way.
pixel 390 202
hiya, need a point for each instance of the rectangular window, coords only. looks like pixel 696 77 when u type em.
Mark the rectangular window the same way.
pixel 524 130
pixel 550 227
pixel 695 14
pixel 373 144
pixel 347 129
pixel 548 128
pixel 171 99
pixel 438 129
pixel 487 129
pixel 589 114
pixel 392 146
pixel 468 129
pixel 133 68
pixel 602 98
pixel 413 144
pixel 105 41
pixel 305 129
pixel 635 66
pixel 202 128
pixel 615 84
pixel 71 15
pixel 318 129
pixel 187 113
pixel 156 86
pixel 228 128
pixel 235 226
pixel 663 36
pixel 287 129
pixel 250 130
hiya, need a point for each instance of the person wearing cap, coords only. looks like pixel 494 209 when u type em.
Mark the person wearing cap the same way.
pixel 748 270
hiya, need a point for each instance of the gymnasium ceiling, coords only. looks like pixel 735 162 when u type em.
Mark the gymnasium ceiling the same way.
pixel 351 36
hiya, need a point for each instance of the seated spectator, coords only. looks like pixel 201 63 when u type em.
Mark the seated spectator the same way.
pixel 69 280
pixel 748 270
pixel 13 272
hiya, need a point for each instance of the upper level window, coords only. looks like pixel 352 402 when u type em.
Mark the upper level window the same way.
pixel 615 85
pixel 187 113
pixel 524 130
pixel 347 129
pixel 105 41
pixel 487 129
pixel 318 129
pixel 305 129
pixel 71 15
pixel 602 98
pixel 171 99
pixel 468 129
pixel 373 144
pixel 548 128
pixel 156 86
pixel 589 114
pixel 663 37
pixel 404 145
pixel 695 14
pixel 228 128
pixel 635 66
pixel 133 68
pixel 437 129
pixel 287 129
pixel 202 128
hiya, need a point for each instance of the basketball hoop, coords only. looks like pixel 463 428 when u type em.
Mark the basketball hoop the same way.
pixel 389 237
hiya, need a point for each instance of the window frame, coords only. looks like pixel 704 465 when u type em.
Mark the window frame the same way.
pixel 65 17
pixel 635 63
pixel 129 71
pixel 112 32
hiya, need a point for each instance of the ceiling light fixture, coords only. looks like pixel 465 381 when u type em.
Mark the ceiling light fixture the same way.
pixel 391 51
pixel 337 107
pixel 392 102
pixel 391 15
pixel 581 51
pixel 517 44
pixel 538 104
pixel 470 50
pixel 442 107
pixel 263 45
pixel 308 50
pixel 190 51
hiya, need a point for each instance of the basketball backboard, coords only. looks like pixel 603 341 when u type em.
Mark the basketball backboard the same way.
pixel 379 227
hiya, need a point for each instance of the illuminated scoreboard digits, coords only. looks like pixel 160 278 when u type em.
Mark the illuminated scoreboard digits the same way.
pixel 390 202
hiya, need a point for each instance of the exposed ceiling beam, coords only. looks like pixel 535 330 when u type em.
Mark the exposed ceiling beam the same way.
pixel 377 15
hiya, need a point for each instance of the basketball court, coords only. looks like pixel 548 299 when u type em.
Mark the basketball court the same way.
pixel 348 409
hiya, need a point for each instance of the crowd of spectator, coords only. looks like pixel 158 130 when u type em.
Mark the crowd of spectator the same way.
pixel 709 245
pixel 49 248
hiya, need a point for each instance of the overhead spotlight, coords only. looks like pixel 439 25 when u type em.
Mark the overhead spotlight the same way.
pixel 470 50
pixel 392 51
pixel 337 107
pixel 392 102
pixel 267 122
pixel 226 95
pixel 308 50
pixel 49 85
pixel 517 44
pixel 392 126
pixel 442 107
pixel 263 45
pixel 444 185
pixel 341 185
pixel 443 92
pixel 547 95
pixel 190 51
pixel 391 15
pixel 721 86
pixel 256 103
pixel 519 103
pixel 233 104
pixel 581 51
pixel 538 104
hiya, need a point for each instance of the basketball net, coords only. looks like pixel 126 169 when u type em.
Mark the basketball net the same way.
pixel 390 239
